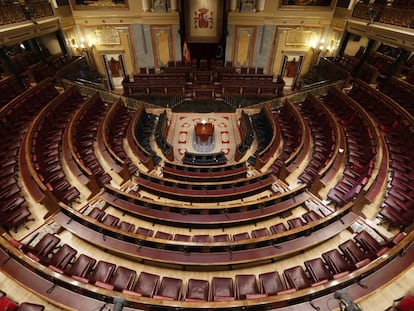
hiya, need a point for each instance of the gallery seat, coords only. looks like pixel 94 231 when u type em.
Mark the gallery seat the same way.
pixel 44 247
pixel 296 277
pixel 102 272
pixel 197 290
pixel 145 286
pixel 62 257
pixel 170 289
pixel 123 278
pixel 81 268
pixel 271 284
pixel 222 289
pixel 246 287
pixel 337 263
pixel 317 270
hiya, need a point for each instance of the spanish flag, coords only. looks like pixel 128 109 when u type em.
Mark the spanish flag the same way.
pixel 186 53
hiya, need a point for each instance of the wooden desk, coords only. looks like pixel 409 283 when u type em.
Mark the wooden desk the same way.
pixel 204 131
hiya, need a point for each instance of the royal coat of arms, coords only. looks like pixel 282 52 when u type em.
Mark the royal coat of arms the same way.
pixel 203 18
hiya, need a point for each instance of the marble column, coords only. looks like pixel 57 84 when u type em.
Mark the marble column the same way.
pixel 260 5
pixel 146 5
pixel 233 5
pixel 174 5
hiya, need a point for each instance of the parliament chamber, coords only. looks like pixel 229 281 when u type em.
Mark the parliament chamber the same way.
pixel 206 155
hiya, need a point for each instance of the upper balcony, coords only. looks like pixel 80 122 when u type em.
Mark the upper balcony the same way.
pixel 400 14
pixel 29 11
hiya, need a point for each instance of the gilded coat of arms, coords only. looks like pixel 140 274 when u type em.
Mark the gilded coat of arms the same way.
pixel 203 18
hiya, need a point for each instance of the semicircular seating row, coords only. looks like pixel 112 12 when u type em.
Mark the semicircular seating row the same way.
pixel 39 166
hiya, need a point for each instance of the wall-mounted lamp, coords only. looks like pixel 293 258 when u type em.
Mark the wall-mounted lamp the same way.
pixel 85 48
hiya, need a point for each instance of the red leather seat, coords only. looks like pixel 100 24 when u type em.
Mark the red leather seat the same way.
pixel 278 228
pixel 257 233
pixel 221 238
pixel 246 287
pixel 44 247
pixel 182 237
pixel 369 244
pixel 96 213
pixel 7 304
pixel 123 278
pixel 222 289
pixel 271 284
pixel 311 216
pixel 62 257
pixel 337 263
pixel 102 272
pixel 295 222
pixel 81 268
pixel 145 286
pixel 197 290
pixel 110 220
pixel 354 254
pixel 170 289
pixel 393 218
pixel 241 236
pixel 145 232
pixel 126 226
pixel 163 235
pixel 296 277
pixel 317 270
pixel 201 238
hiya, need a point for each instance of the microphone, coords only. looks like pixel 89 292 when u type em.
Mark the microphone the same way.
pixel 345 302
pixel 119 303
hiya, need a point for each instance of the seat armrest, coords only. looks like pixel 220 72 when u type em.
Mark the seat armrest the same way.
pixel 193 299
pixel 51 267
pixel 223 298
pixel 104 285
pixel 130 292
pixel 382 251
pixel 287 291
pixel 33 256
pixel 319 283
pixel 80 279
pixel 16 243
pixel 362 263
pixel 255 296
pixel 339 275
pixel 162 297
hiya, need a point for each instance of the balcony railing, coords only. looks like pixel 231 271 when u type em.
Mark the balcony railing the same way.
pixel 397 16
pixel 14 13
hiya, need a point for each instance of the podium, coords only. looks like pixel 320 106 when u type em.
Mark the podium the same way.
pixel 204 132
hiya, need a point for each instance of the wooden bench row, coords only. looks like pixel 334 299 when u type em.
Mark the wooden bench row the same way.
pixel 42 148
pixel 204 191
pixel 362 148
pixel 397 127
pixel 193 255
pixel 74 293
pixel 187 215
pixel 109 140
pixel 198 173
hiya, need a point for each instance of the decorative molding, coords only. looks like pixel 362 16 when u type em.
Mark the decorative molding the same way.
pixel 107 36
pixel 298 37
